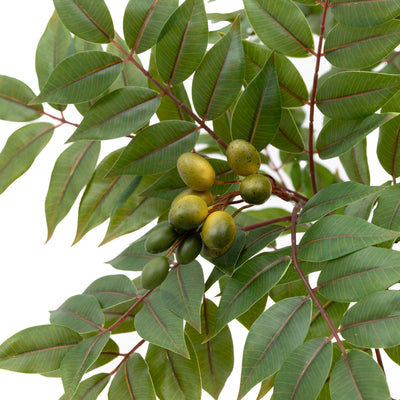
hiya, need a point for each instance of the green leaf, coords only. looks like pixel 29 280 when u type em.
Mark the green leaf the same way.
pixel 38 349
pixel 78 360
pixel 288 32
pixel 215 355
pixel 100 196
pixel 174 376
pixel 156 148
pixel 249 317
pixel 80 77
pixel 71 173
pixel 338 136
pixel 374 321
pixel 91 388
pixel 132 381
pixel 355 94
pixel 182 42
pixel 159 326
pixel 248 284
pixel 274 335
pixel 387 212
pixel 219 78
pixel 88 20
pixel 358 377
pixel 14 99
pixel 112 290
pixel 304 372
pixel 333 197
pixel 118 114
pixel 113 313
pixel 388 149
pixel 347 47
pixel 355 163
pixel 143 21
pixel 257 114
pixel 266 386
pixel 21 149
pixel 357 275
pixel 81 313
pixel 54 45
pixel 394 354
pixel 364 14
pixel 182 292
pixel 337 235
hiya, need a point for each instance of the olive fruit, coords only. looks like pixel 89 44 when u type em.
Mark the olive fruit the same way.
pixel 205 195
pixel 189 249
pixel 215 253
pixel 187 213
pixel 243 157
pixel 195 171
pixel 255 189
pixel 218 230
pixel 155 272
pixel 160 239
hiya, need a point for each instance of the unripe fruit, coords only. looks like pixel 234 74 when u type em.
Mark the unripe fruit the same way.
pixel 160 239
pixel 205 195
pixel 218 230
pixel 243 157
pixel 155 272
pixel 215 253
pixel 255 189
pixel 187 213
pixel 189 249
pixel 195 171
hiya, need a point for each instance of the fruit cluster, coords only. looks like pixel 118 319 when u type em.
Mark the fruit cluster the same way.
pixel 195 221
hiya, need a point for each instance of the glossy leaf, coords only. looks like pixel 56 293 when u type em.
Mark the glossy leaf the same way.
pixel 337 235
pixel 15 97
pixel 132 381
pixel 355 94
pixel 156 148
pixel 248 284
pixel 143 21
pixel 365 13
pixel 219 77
pixel 333 197
pixel 357 275
pixel 118 114
pixel 182 292
pixel 355 163
pixel 78 360
pixel 88 20
pixel 374 321
pixel 288 32
pixel 71 173
pixel 91 388
pixel 182 42
pixel 358 377
pixel 80 77
pixel 21 149
pixel 159 326
pixel 338 136
pixel 257 113
pixel 82 313
pixel 273 336
pixel 215 355
pixel 38 349
pixel 174 376
pixel 304 372
pixel 347 47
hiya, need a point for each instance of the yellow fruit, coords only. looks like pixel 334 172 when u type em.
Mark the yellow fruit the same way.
pixel 218 230
pixel 205 195
pixel 243 157
pixel 255 189
pixel 195 171
pixel 215 253
pixel 187 213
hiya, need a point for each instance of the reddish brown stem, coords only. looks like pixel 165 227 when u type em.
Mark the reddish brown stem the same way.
pixel 62 119
pixel 126 356
pixel 265 223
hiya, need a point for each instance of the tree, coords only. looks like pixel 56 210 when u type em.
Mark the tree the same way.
pixel 246 96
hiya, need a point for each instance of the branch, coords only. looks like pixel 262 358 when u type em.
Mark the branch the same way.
pixel 264 223
pixel 126 356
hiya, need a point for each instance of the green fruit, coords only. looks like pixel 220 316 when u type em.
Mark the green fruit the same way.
pixel 189 249
pixel 195 171
pixel 218 230
pixel 187 213
pixel 215 253
pixel 154 272
pixel 205 195
pixel 255 189
pixel 160 239
pixel 243 157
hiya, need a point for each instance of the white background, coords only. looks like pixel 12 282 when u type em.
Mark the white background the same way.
pixel 35 277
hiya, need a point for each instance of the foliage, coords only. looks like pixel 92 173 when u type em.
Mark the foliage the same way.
pixel 305 342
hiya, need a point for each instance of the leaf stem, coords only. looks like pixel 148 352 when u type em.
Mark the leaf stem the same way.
pixel 264 223
pixel 62 119
pixel 313 100
pixel 126 356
